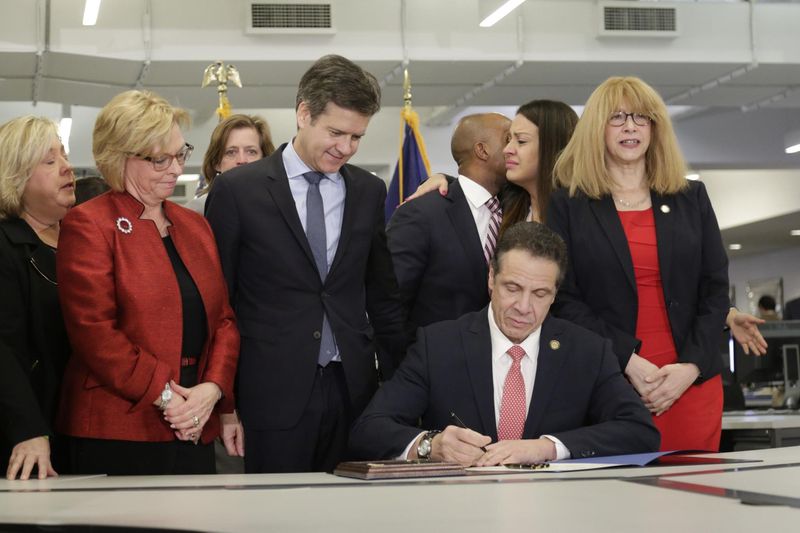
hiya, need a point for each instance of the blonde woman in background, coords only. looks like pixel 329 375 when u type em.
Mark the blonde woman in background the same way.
pixel 37 188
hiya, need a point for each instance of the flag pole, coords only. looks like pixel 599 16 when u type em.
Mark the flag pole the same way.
pixel 406 114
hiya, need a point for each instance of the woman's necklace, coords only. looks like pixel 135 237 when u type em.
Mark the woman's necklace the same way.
pixel 631 205
pixel 47 233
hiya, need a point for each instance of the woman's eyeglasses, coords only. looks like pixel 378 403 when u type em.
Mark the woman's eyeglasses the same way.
pixel 620 117
pixel 164 161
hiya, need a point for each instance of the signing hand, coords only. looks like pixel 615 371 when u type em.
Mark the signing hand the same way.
pixel 457 445
pixel 232 434
pixel 637 371
pixel 189 417
pixel 673 381
pixel 26 455
pixel 434 182
pixel 744 328
pixel 528 451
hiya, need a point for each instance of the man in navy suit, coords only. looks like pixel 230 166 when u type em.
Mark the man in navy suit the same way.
pixel 791 310
pixel 530 387
pixel 439 243
pixel 303 248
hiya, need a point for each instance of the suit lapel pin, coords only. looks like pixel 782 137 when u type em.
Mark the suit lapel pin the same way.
pixel 665 209
pixel 124 225
pixel 555 345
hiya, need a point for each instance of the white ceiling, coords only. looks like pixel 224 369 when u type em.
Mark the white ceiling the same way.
pixel 734 65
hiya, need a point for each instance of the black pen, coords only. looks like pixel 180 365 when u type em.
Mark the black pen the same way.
pixel 533 466
pixel 460 423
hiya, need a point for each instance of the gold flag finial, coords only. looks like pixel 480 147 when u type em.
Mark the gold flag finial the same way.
pixel 222 74
pixel 406 89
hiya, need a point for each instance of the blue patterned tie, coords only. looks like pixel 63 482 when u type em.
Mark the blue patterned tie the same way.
pixel 317 240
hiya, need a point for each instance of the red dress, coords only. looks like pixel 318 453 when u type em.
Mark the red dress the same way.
pixel 694 421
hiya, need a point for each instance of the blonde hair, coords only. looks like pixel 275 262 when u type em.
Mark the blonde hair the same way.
pixel 131 124
pixel 582 165
pixel 24 142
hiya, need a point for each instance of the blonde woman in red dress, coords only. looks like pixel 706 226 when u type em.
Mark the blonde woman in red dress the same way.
pixel 647 265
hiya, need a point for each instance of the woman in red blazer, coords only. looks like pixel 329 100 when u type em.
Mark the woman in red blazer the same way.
pixel 155 344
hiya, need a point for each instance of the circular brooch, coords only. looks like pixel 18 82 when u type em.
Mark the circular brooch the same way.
pixel 124 225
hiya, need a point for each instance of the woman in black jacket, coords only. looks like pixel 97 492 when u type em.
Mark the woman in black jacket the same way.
pixel 37 187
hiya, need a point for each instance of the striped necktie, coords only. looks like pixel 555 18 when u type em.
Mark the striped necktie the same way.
pixel 494 227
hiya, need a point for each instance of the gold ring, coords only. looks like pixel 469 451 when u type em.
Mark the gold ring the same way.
pixel 195 421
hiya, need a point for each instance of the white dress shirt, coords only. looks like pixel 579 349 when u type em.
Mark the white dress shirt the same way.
pixel 477 197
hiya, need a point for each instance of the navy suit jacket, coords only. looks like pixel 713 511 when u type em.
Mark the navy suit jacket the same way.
pixel 599 290
pixel 438 257
pixel 279 298
pixel 791 310
pixel 579 394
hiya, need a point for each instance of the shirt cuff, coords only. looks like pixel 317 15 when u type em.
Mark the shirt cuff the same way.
pixel 404 456
pixel 561 451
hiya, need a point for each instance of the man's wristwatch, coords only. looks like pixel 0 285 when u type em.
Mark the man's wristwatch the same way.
pixel 425 446
pixel 166 396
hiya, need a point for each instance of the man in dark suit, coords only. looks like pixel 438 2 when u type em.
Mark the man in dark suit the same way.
pixel 791 310
pixel 441 244
pixel 537 387
pixel 304 253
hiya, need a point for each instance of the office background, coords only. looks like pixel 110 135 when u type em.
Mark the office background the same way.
pixel 729 69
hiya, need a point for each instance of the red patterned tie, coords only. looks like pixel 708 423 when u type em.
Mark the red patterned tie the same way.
pixel 512 406
pixel 494 227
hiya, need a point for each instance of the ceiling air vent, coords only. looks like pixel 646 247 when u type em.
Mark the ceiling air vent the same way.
pixel 619 19
pixel 296 17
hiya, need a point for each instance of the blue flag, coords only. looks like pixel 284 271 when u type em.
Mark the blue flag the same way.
pixel 412 164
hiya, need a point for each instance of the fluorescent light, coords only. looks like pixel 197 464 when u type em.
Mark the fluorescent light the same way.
pixel 188 177
pixel 90 11
pixel 734 247
pixel 795 233
pixel 793 149
pixel 693 176
pixel 64 128
pixel 500 12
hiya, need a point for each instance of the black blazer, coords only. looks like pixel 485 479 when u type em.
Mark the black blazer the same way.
pixel 579 394
pixel 33 342
pixel 599 291
pixel 791 310
pixel 278 297
pixel 438 257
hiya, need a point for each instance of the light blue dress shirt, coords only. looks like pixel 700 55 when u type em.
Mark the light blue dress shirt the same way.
pixel 333 192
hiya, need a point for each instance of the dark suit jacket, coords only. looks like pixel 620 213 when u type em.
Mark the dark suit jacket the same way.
pixel 279 299
pixel 579 394
pixel 122 308
pixel 438 257
pixel 599 291
pixel 33 342
pixel 791 310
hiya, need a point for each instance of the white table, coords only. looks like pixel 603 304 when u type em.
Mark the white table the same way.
pixel 660 499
